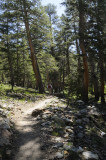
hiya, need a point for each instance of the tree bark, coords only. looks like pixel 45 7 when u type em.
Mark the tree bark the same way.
pixel 10 61
pixel 94 80
pixel 82 47
pixel 17 58
pixel 67 61
pixel 79 63
pixel 101 50
pixel 33 56
pixel 101 76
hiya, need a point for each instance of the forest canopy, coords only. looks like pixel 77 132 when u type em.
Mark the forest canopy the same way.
pixel 37 47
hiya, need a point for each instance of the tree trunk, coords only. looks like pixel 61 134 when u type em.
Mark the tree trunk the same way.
pixel 67 57
pixel 101 77
pixel 10 61
pixel 67 61
pixel 79 64
pixel 101 48
pixel 94 80
pixel 82 47
pixel 17 59
pixel 33 56
pixel 24 69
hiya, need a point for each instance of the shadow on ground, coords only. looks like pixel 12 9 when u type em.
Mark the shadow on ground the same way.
pixel 58 129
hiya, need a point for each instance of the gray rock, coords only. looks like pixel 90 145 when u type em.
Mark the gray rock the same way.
pixel 78 114
pixel 66 135
pixel 57 145
pixel 80 102
pixel 94 112
pixel 4 105
pixel 59 155
pixel 67 127
pixel 80 135
pixel 83 111
pixel 1 110
pixel 80 127
pixel 67 147
pixel 70 148
pixel 70 130
pixel 89 107
pixel 36 112
pixel 50 129
pixel 89 155
pixel 58 139
pixel 4 141
pixel 86 120
pixel 32 99
pixel 10 107
pixel 43 129
pixel 4 123
pixel 103 134
pixel 74 149
pixel 72 135
pixel 8 152
pixel 58 120
pixel 5 133
pixel 79 121
pixel 79 149
pixel 45 116
pixel 39 118
pixel 67 121
pixel 46 123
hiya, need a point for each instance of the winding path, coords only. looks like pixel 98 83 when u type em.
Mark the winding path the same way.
pixel 27 143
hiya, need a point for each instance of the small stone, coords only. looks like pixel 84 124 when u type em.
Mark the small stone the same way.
pixel 39 118
pixel 72 136
pixel 89 155
pixel 103 134
pixel 58 139
pixel 46 123
pixel 89 107
pixel 80 102
pixel 80 149
pixel 83 111
pixel 67 121
pixel 67 127
pixel 66 135
pixel 80 135
pixel 78 121
pixel 4 141
pixel 86 120
pixel 67 147
pixel 70 130
pixel 80 127
pixel 57 145
pixel 45 116
pixel 59 155
pixel 1 110
pixel 8 152
pixel 4 105
pixel 6 133
pixel 36 112
pixel 50 129
pixel 58 120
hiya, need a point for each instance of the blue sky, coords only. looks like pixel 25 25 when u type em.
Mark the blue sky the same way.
pixel 60 8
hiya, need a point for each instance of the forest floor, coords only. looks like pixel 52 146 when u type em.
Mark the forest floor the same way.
pixel 49 130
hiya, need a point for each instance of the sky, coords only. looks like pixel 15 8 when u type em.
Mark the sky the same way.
pixel 60 8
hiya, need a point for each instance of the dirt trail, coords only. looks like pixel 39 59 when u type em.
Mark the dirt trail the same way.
pixel 27 143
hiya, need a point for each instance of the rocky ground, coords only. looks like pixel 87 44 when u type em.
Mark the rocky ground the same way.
pixel 49 130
